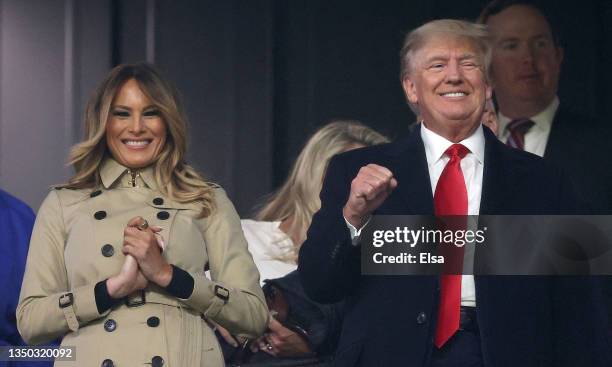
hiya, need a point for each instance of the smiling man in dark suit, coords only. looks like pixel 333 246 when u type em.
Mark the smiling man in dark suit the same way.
pixel 450 165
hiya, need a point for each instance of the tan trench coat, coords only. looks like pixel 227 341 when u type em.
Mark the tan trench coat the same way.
pixel 77 242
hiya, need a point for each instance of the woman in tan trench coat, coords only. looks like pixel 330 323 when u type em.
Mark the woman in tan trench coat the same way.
pixel 117 257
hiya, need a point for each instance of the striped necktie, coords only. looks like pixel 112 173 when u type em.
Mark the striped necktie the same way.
pixel 518 128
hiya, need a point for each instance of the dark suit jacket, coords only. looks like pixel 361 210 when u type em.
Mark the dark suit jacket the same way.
pixel 582 147
pixel 390 321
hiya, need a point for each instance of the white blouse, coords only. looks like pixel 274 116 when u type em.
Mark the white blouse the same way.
pixel 268 244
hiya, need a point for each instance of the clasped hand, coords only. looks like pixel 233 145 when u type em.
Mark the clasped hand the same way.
pixel 278 341
pixel 143 263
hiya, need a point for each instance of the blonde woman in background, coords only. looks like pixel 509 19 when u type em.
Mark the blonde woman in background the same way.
pixel 279 230
pixel 280 227
pixel 117 256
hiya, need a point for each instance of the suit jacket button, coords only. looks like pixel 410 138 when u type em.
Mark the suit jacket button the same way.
pixel 153 321
pixel 107 363
pixel 158 201
pixel 163 215
pixel 421 318
pixel 100 215
pixel 108 250
pixel 95 193
pixel 157 361
pixel 335 250
pixel 110 325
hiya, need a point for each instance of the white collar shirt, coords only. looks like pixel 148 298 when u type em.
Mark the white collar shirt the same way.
pixel 472 166
pixel 537 137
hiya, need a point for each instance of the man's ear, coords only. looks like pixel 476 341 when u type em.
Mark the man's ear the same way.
pixel 410 90
pixel 560 53
pixel 489 91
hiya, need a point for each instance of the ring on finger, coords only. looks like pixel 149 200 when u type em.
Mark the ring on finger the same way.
pixel 144 225
pixel 269 346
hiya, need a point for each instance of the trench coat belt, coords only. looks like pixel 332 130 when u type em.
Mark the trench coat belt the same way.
pixel 154 296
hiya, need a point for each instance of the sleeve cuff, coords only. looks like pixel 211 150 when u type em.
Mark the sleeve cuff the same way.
pixel 85 304
pixel 181 285
pixel 355 233
pixel 103 299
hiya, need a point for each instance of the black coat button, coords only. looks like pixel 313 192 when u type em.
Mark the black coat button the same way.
pixel 95 193
pixel 110 325
pixel 100 215
pixel 421 318
pixel 158 201
pixel 108 250
pixel 163 215
pixel 153 321
pixel 107 363
pixel 157 361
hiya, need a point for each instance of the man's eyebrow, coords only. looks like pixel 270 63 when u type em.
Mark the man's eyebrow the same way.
pixel 508 39
pixel 436 57
pixel 444 57
pixel 516 39
pixel 542 36
pixel 467 55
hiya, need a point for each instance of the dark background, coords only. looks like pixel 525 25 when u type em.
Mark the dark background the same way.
pixel 257 76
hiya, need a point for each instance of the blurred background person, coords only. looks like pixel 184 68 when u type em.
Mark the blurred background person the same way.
pixel 118 253
pixel 16 221
pixel 525 69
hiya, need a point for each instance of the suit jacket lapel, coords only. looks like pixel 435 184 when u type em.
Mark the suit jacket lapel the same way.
pixel 409 166
pixel 408 163
pixel 496 183
pixel 558 133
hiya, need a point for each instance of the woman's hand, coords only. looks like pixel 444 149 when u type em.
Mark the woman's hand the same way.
pixel 129 279
pixel 223 332
pixel 144 246
pixel 282 342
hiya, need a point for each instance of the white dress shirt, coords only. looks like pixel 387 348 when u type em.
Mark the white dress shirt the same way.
pixel 472 167
pixel 537 137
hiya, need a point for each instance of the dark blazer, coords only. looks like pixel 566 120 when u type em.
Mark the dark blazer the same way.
pixel 390 321
pixel 582 146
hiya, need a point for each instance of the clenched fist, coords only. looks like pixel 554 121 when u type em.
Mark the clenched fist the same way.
pixel 369 189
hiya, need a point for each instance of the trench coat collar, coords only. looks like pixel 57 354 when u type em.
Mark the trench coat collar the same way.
pixel 111 171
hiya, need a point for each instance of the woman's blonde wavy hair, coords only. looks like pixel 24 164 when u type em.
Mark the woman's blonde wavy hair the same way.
pixel 173 176
pixel 298 197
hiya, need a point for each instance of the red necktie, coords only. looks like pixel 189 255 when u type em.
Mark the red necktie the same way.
pixel 518 128
pixel 450 198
